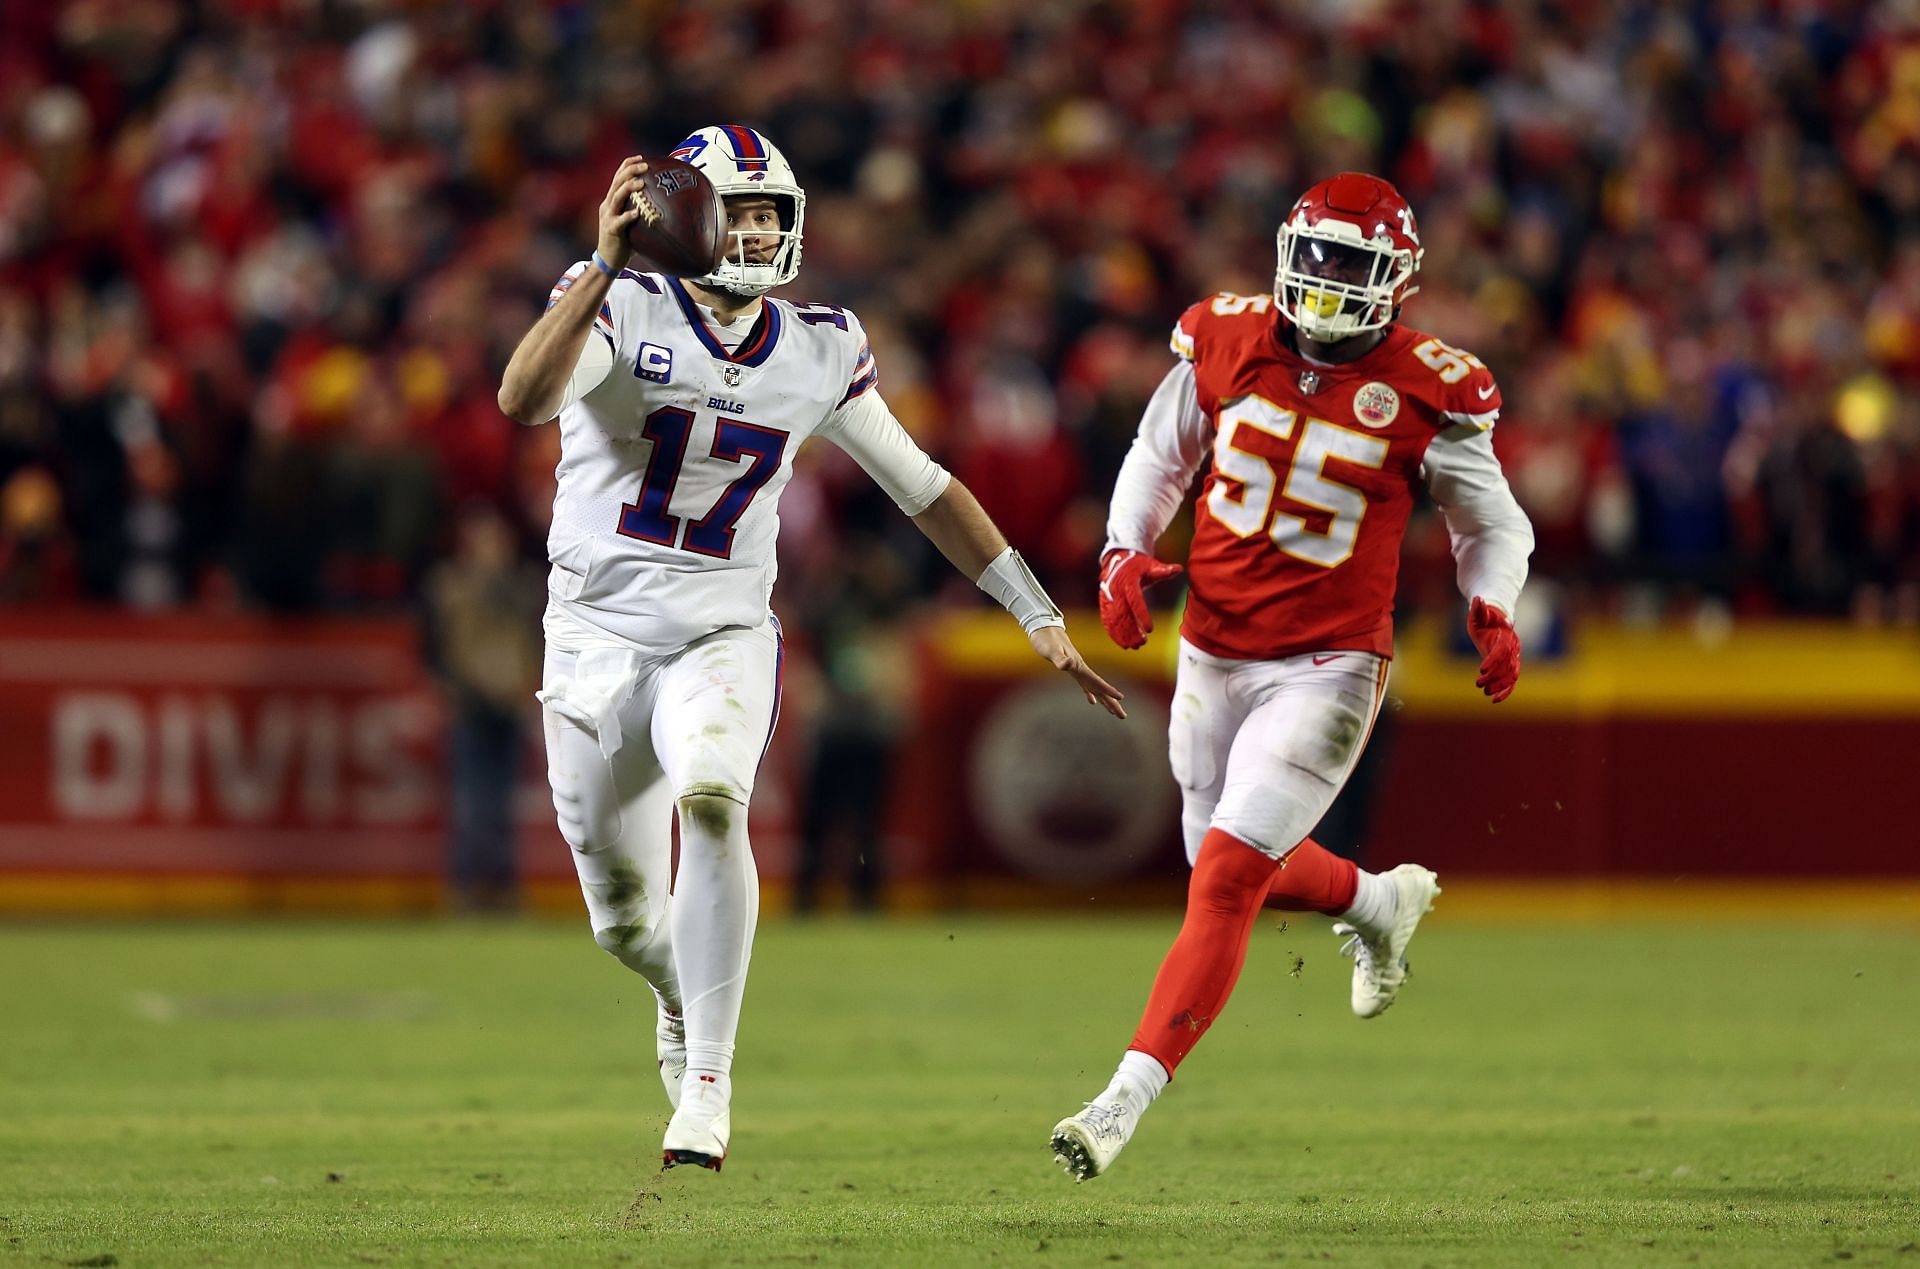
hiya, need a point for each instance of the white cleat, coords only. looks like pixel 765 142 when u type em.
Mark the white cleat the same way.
pixel 700 1127
pixel 1380 960
pixel 670 1043
pixel 1086 1144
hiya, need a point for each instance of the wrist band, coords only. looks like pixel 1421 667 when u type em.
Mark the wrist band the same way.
pixel 603 266
pixel 1009 580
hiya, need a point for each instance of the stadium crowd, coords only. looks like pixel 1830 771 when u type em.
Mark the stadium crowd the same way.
pixel 261 262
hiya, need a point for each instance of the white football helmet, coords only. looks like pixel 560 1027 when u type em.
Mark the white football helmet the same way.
pixel 739 161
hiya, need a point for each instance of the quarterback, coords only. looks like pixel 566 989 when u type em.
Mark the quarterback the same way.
pixel 681 405
pixel 1321 414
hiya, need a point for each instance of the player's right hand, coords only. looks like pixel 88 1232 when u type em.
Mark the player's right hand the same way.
pixel 1124 577
pixel 617 211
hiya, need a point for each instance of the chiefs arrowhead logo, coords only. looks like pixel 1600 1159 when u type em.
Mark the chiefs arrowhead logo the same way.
pixel 1376 404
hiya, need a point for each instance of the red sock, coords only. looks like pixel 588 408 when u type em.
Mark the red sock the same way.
pixel 1223 899
pixel 1314 879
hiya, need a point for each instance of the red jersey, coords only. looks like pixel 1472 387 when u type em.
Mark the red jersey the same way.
pixel 1297 534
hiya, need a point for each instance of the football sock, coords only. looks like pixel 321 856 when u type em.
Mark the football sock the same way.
pixel 1314 879
pixel 716 905
pixel 1139 1080
pixel 1230 879
pixel 1375 902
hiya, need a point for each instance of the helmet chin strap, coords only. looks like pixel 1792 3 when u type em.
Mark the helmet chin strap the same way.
pixel 746 290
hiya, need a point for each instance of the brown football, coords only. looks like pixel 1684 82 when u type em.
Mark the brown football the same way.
pixel 681 229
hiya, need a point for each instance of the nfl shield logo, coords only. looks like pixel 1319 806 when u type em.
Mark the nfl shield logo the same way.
pixel 1309 381
pixel 731 374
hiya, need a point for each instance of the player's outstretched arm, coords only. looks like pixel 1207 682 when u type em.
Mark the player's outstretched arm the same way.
pixel 534 387
pixel 966 535
pixel 1492 539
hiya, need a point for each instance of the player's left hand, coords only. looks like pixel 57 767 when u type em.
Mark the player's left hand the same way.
pixel 1051 642
pixel 1499 647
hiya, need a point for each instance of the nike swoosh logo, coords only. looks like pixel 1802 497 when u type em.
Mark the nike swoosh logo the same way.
pixel 1486 392
pixel 1324 660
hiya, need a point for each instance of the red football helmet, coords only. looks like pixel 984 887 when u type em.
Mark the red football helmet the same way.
pixel 1348 253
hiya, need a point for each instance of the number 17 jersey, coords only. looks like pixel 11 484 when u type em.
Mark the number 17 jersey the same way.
pixel 1297 533
pixel 671 468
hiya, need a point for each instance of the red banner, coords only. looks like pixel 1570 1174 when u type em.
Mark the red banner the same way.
pixel 237 745
pixel 252 747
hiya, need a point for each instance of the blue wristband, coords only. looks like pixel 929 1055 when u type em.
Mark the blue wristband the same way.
pixel 603 266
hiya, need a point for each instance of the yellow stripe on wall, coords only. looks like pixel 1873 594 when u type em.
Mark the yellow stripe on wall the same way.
pixel 1828 670
pixel 1805 669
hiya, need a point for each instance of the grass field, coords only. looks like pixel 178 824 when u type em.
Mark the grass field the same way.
pixel 471 1094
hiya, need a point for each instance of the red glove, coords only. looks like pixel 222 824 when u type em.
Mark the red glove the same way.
pixel 1124 577
pixel 1499 647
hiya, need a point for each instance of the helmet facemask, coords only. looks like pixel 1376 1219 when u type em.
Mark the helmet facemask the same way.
pixel 1334 284
pixel 736 273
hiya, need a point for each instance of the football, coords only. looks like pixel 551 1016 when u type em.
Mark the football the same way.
pixel 681 229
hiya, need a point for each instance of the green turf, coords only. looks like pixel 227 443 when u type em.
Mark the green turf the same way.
pixel 466 1094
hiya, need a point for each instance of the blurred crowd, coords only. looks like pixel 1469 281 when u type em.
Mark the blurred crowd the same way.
pixel 261 262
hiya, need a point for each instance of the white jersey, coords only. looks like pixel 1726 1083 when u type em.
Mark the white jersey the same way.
pixel 672 464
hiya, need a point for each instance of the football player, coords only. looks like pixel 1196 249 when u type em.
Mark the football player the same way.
pixel 1321 414
pixel 681 406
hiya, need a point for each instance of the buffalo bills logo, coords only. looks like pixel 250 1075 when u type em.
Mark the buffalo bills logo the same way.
pixel 687 149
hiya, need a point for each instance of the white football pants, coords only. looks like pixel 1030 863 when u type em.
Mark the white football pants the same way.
pixel 630 739
pixel 1260 748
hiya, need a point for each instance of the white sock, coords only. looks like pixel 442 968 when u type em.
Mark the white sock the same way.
pixel 1375 902
pixel 1139 1080
pixel 716 905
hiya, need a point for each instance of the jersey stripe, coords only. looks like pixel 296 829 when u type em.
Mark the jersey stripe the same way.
pixel 1479 422
pixel 779 681
pixel 759 343
pixel 602 321
pixel 861 384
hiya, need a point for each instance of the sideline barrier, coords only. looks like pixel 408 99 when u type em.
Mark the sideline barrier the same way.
pixel 1783 750
pixel 240 763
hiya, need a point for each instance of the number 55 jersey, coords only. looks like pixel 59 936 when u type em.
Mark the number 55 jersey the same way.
pixel 673 462
pixel 1314 471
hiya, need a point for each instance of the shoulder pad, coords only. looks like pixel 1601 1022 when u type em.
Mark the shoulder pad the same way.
pixel 1212 312
pixel 827 317
pixel 845 329
pixel 1459 385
